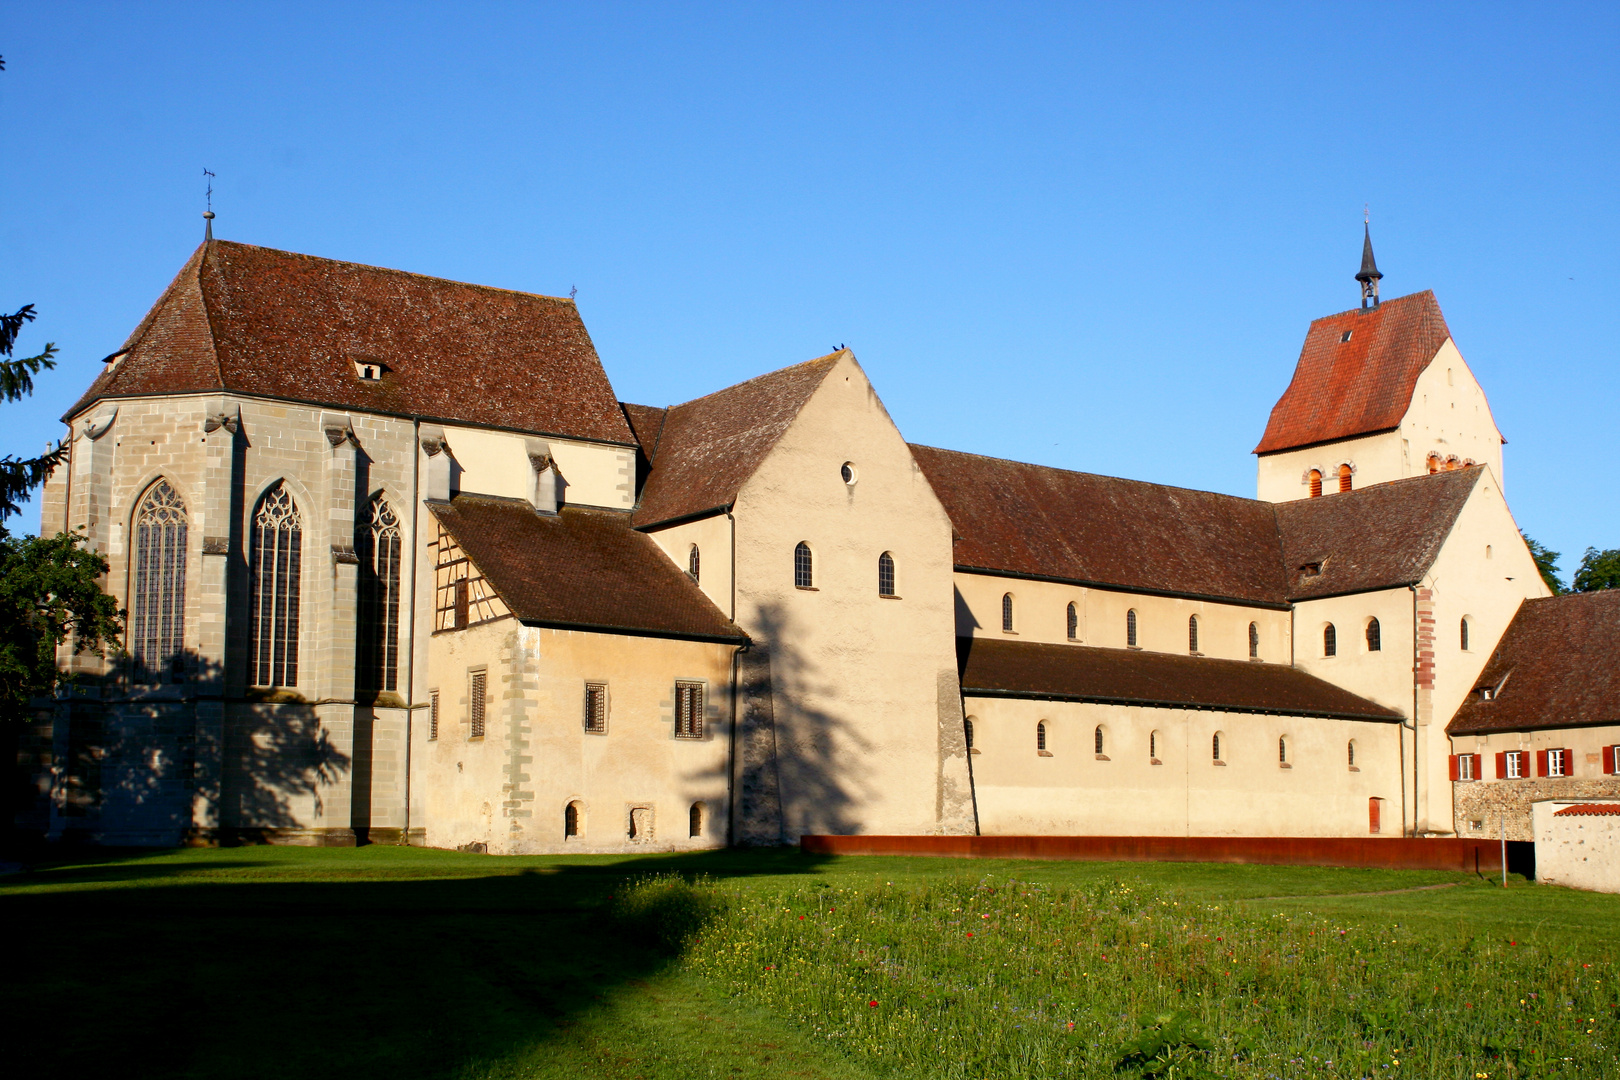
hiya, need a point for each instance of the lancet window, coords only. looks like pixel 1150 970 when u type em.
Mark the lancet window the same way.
pixel 276 571
pixel 158 593
pixel 380 546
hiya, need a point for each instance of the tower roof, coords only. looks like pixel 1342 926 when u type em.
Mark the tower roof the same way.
pixel 1369 267
pixel 1356 373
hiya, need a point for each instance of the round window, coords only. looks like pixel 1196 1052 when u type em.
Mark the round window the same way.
pixel 848 473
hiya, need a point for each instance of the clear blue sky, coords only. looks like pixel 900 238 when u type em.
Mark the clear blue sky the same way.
pixel 1090 237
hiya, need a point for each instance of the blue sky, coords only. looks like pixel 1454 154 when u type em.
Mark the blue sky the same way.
pixel 1090 237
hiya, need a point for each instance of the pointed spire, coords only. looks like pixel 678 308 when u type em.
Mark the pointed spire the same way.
pixel 1368 275
pixel 208 225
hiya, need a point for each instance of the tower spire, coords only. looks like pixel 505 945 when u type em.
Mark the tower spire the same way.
pixel 1368 275
pixel 208 214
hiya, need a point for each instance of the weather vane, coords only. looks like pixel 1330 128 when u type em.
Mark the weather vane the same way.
pixel 1366 213
pixel 208 214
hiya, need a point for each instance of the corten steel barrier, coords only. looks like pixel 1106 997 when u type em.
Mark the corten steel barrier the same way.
pixel 1470 856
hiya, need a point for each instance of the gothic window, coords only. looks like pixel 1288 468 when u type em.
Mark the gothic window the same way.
pixel 1007 612
pixel 1330 641
pixel 1074 622
pixel 1315 477
pixel 380 546
pixel 688 710
pixel 156 630
pixel 692 562
pixel 1130 627
pixel 804 575
pixel 1192 633
pixel 277 549
pixel 885 574
pixel 1254 641
pixel 1344 478
pixel 1375 636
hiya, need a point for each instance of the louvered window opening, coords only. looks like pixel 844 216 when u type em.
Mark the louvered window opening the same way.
pixel 1344 478
pixel 689 710
pixel 1316 483
pixel 380 548
pixel 476 710
pixel 596 708
pixel 433 715
pixel 276 571
pixel 157 628
pixel 885 574
pixel 461 596
pixel 804 569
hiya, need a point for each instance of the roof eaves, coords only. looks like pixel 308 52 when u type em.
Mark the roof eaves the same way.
pixel 738 638
pixel 1323 442
pixel 1097 699
pixel 682 519
pixel 1236 601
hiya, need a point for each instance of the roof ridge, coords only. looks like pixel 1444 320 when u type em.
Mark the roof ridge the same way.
pixel 208 309
pixel 1099 476
pixel 757 378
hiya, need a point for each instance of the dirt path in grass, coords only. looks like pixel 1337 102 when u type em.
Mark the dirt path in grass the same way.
pixel 1345 895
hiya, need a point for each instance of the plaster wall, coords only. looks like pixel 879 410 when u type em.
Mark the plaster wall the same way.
pixel 1384 676
pixel 865 701
pixel 1040 613
pixel 1484 806
pixel 1182 791
pixel 497 463
pixel 1580 851
pixel 712 535
pixel 509 790
pixel 1373 459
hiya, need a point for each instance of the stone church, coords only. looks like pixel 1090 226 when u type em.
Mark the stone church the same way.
pixel 400 567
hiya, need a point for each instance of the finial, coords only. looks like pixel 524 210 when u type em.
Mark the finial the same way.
pixel 208 214
pixel 1368 274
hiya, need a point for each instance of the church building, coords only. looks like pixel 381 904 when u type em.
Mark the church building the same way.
pixel 400 567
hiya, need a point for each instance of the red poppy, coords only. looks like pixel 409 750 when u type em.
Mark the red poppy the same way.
pixel 970 933
pixel 873 1004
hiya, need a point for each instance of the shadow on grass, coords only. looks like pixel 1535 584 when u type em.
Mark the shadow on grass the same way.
pixel 366 977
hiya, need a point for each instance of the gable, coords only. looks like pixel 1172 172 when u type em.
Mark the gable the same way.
pixel 1342 389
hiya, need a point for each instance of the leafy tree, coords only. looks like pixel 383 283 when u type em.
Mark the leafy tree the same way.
pixel 1547 563
pixel 49 589
pixel 1598 570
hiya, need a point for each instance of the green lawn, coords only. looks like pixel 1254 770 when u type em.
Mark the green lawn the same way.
pixel 383 961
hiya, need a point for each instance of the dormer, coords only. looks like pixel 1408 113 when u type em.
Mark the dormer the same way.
pixel 368 369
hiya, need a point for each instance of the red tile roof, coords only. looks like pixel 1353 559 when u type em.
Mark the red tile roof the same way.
pixel 1380 537
pixel 580 569
pixel 1346 388
pixel 1591 809
pixel 1557 666
pixel 261 322
pixel 995 668
pixel 1036 521
pixel 708 448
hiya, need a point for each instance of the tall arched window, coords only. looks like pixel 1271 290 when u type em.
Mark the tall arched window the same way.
pixel 1153 745
pixel 158 593
pixel 1344 478
pixel 1192 633
pixel 1007 612
pixel 1097 739
pixel 1315 477
pixel 694 820
pixel 1130 627
pixel 1074 622
pixel 804 567
pixel 1282 749
pixel 885 574
pixel 1330 641
pixel 1350 747
pixel 275 571
pixel 380 545
pixel 1254 641
pixel 967 731
pixel 1040 735
pixel 1375 636
pixel 693 562
pixel 1464 634
pixel 571 819
pixel 1215 747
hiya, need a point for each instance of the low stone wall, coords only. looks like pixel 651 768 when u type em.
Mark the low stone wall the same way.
pixel 1493 803
pixel 1578 850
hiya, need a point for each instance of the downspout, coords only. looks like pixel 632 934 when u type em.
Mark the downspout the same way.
pixel 1413 725
pixel 731 750
pixel 410 659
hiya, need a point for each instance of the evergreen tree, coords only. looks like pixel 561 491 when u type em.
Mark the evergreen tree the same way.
pixel 19 476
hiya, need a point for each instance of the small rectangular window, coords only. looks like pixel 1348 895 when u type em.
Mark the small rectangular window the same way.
pixel 596 708
pixel 1557 763
pixel 688 710
pixel 477 705
pixel 1515 764
pixel 433 715
pixel 1465 767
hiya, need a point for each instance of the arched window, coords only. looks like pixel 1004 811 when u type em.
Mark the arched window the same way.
pixel 1330 641
pixel 1344 478
pixel 885 574
pixel 1282 749
pixel 1351 747
pixel 1215 747
pixel 1098 738
pixel 1192 633
pixel 804 567
pixel 1315 477
pixel 379 543
pixel 693 562
pixel 1464 634
pixel 967 731
pixel 571 819
pixel 1254 640
pixel 1434 463
pixel 1130 627
pixel 694 820
pixel 1375 636
pixel 158 593
pixel 275 571
pixel 1040 735
pixel 1153 745
pixel 1074 622
pixel 1006 612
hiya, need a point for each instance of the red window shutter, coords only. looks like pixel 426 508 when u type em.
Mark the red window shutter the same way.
pixel 1456 772
pixel 1501 765
pixel 1569 762
pixel 1541 763
pixel 1608 760
pixel 1478 775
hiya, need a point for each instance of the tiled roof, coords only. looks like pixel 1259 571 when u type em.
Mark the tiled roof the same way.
pixel 1591 809
pixel 1356 387
pixel 1379 537
pixel 996 668
pixel 1042 522
pixel 580 569
pixel 708 448
pixel 257 321
pixel 1557 666
pixel 646 422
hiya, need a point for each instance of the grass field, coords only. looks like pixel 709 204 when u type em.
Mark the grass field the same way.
pixel 291 963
